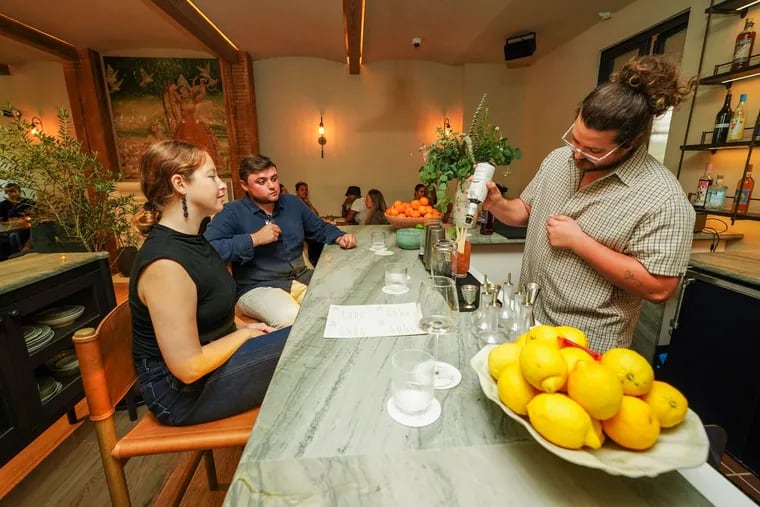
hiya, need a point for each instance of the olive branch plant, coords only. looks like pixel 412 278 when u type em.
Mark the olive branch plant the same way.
pixel 70 187
pixel 452 156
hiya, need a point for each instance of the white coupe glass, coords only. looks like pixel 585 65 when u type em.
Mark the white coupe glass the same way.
pixel 439 306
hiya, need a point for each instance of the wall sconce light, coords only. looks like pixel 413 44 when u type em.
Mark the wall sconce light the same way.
pixel 36 126
pixel 322 140
pixel 446 126
pixel 11 113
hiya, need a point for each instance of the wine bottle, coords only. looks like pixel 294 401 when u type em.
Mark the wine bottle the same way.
pixel 486 222
pixel 736 127
pixel 743 47
pixel 722 121
pixel 702 185
pixel 744 189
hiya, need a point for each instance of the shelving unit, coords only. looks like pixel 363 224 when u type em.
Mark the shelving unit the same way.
pixel 723 75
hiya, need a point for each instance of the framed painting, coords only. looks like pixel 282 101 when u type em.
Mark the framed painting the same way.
pixel 153 99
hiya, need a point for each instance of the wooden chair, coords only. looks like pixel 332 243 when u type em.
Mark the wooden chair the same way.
pixel 105 361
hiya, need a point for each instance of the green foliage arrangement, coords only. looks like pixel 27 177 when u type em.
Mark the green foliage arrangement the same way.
pixel 452 155
pixel 70 187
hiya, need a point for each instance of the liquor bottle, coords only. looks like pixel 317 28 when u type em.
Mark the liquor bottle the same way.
pixel 716 194
pixel 478 191
pixel 722 121
pixel 744 189
pixel 736 127
pixel 743 47
pixel 702 185
pixel 486 222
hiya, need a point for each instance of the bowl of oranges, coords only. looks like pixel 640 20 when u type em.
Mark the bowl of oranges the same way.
pixel 408 214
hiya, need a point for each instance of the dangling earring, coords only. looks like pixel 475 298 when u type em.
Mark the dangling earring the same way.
pixel 184 206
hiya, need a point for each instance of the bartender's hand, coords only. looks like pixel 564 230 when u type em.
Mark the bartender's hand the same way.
pixel 267 234
pixel 564 232
pixel 493 196
pixel 346 241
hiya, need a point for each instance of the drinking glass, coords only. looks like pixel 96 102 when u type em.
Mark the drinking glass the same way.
pixel 412 376
pixel 396 277
pixel 439 305
pixel 377 239
pixel 444 259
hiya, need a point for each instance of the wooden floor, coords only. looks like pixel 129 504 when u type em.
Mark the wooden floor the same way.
pixel 73 476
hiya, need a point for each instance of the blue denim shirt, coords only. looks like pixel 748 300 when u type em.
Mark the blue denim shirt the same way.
pixel 276 264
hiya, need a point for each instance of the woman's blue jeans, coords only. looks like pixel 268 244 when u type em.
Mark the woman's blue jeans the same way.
pixel 236 386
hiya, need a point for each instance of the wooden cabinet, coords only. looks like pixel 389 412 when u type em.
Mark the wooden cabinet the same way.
pixel 31 284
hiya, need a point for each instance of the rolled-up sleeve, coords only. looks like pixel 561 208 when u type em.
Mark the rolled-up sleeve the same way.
pixel 317 229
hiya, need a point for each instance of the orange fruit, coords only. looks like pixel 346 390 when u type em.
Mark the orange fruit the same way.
pixel 397 204
pixel 391 212
pixel 633 370
pixel 634 426
pixel 415 204
pixel 424 201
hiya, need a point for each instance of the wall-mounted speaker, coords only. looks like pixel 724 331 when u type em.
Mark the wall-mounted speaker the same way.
pixel 520 46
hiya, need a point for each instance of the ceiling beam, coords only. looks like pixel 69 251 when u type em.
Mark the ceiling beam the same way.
pixel 353 29
pixel 194 21
pixel 5 70
pixel 31 36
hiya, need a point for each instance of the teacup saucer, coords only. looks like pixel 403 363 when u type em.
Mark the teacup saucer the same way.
pixel 395 292
pixel 414 421
pixel 383 252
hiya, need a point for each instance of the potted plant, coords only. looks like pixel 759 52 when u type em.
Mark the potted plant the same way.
pixel 452 156
pixel 75 199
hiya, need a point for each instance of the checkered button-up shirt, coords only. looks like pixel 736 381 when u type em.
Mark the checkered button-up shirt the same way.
pixel 639 209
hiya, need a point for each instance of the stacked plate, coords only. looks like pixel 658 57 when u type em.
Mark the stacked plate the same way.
pixel 37 337
pixel 48 387
pixel 59 316
pixel 64 364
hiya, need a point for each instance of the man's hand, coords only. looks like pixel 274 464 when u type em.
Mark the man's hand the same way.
pixel 493 196
pixel 564 232
pixel 267 234
pixel 346 241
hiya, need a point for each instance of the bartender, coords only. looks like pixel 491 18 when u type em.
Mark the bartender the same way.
pixel 608 225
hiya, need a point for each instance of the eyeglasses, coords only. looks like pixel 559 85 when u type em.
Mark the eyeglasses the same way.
pixel 591 158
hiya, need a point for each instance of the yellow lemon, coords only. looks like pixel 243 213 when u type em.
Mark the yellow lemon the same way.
pixel 573 334
pixel 597 425
pixel 572 355
pixel 501 356
pixel 596 388
pixel 562 421
pixel 667 402
pixel 543 332
pixel 543 365
pixel 631 368
pixel 634 426
pixel 514 390
pixel 522 339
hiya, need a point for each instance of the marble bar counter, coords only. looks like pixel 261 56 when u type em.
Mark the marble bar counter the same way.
pixel 741 266
pixel 323 436
pixel 33 267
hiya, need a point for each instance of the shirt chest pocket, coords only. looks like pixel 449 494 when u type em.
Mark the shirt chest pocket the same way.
pixel 608 219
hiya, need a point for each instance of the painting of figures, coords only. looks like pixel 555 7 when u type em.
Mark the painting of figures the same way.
pixel 153 99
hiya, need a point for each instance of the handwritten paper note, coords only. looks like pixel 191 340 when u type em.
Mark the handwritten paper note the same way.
pixel 365 321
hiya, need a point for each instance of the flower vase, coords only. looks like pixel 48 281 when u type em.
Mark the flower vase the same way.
pixel 459 212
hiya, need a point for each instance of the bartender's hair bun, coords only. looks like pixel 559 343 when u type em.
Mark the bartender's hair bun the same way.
pixel 644 88
pixel 657 79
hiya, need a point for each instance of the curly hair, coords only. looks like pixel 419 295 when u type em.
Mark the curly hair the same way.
pixel 645 87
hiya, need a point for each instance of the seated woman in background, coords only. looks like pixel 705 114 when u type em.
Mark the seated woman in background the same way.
pixel 192 363
pixel 375 203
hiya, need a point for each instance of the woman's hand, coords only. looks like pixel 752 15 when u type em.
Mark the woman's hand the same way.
pixel 260 327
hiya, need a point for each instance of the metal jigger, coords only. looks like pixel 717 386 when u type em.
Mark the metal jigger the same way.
pixel 532 290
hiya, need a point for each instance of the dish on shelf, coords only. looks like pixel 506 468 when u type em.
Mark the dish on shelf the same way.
pixel 63 364
pixel 59 316
pixel 44 337
pixel 50 390
pixel 684 446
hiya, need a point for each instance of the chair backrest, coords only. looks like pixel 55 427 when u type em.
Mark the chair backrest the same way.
pixel 105 361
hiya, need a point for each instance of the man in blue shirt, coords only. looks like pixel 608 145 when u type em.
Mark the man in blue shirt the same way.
pixel 262 236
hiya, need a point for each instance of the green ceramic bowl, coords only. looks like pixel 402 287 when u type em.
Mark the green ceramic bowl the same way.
pixel 409 239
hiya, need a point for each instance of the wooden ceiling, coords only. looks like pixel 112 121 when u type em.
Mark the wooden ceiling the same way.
pixel 453 31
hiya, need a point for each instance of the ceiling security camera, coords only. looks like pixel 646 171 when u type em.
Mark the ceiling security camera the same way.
pixel 416 41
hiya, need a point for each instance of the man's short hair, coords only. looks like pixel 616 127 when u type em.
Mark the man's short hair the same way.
pixel 301 184
pixel 254 164
pixel 12 185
